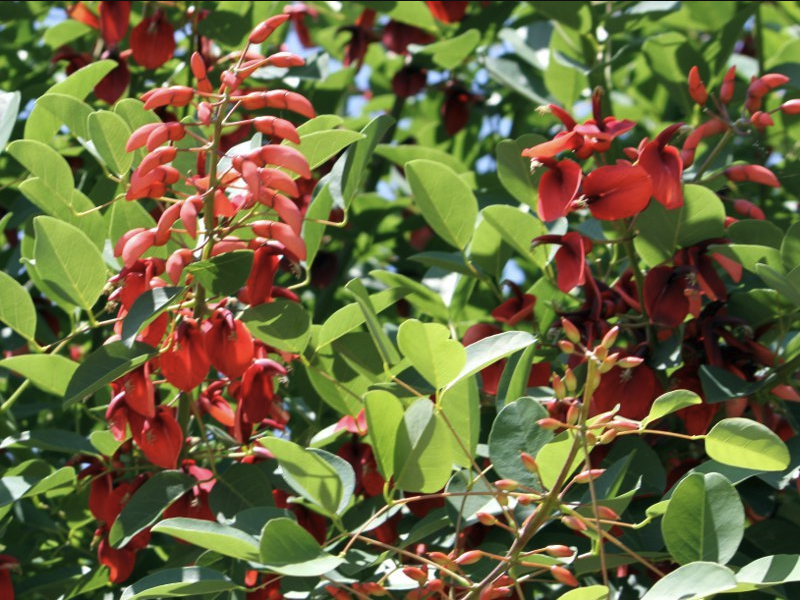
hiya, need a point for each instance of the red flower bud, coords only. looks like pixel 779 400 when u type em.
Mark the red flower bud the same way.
pixel 263 30
pixel 697 89
pixel 754 173
pixel 564 575
pixel 728 84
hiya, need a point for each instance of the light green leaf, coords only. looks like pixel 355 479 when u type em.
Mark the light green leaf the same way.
pixel 43 162
pixel 320 146
pixel 104 365
pixel 514 380
pixel 592 592
pixel 692 582
pixel 669 403
pixel 509 70
pixel 518 229
pixel 68 262
pixel 70 111
pixel 553 456
pixel 385 346
pixel 48 372
pixel 16 307
pixel 514 172
pixel 704 520
pixel 309 475
pixel 790 247
pixel 147 503
pixel 224 274
pixel 750 256
pixel 104 442
pixel 515 431
pixel 461 407
pixel 289 549
pixel 384 413
pixel 282 323
pixel 744 443
pixel 351 317
pixel 768 571
pixel 320 209
pixel 431 351
pixel 446 202
pixel 450 53
pixel 423 450
pixel 41 125
pixel 491 349
pixel 109 132
pixel 220 538
pixel 404 153
pixel 9 107
pixel 175 583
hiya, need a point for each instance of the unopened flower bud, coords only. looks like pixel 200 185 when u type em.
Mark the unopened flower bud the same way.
pixel 591 438
pixel 529 463
pixel 572 333
pixel 559 551
pixel 621 424
pixel 563 575
pixel 566 346
pixel 550 423
pixel 570 380
pixel 487 519
pixel 440 558
pixel 629 362
pixel 558 387
pixel 609 362
pixel 416 574
pixel 469 558
pixel 601 352
pixel 791 107
pixel 606 513
pixel 610 338
pixel 608 436
pixel 588 475
pixel 506 485
pixel 573 523
pixel 573 413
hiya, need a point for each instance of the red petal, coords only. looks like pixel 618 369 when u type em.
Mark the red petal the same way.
pixel 665 296
pixel 557 188
pixel 571 262
pixel 186 364
pixel 754 173
pixel 153 41
pixel 113 85
pixel 161 439
pixel 665 168
pixel 563 141
pixel 114 20
pixel 120 562
pixel 617 191
pixel 229 344
pixel 633 389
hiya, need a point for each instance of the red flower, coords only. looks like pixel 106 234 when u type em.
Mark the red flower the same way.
pixel 7 563
pixel 697 89
pixel 368 481
pixel 517 308
pixel 570 258
pixel 664 165
pixel 229 344
pixel 754 173
pixel 450 11
pixel 257 392
pixel 120 561
pixel 491 374
pixel 557 188
pixel 114 20
pixel 361 36
pixel 185 363
pixel 160 438
pixel 633 389
pixel 397 36
pixel 455 109
pixel 153 41
pixel 113 85
pixel 297 13
pixel 139 391
pixel 409 81
pixel 258 288
pixel 617 191
pixel 665 296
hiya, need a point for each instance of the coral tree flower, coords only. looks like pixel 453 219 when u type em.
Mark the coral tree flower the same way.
pixel 229 344
pixel 558 187
pixel 570 258
pixel 185 363
pixel 664 165
pixel 153 41
pixel 617 191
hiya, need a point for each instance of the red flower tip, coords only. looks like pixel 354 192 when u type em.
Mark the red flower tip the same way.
pixel 558 188
pixel 728 84
pixel 754 173
pixel 114 21
pixel 515 309
pixel 697 89
pixel 160 438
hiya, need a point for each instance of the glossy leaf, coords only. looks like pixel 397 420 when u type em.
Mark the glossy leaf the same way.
pixel 240 487
pixel 289 549
pixel 669 403
pixel 9 107
pixel 704 520
pixel 147 503
pixel 403 154
pixel 147 307
pixel 515 430
pixel 70 111
pixel 768 571
pixel 109 132
pixel 384 414
pixel 460 407
pixel 518 229
pixel 48 372
pixel 385 346
pixel 16 307
pixel 491 349
pixel 178 583
pixel 283 324
pixel 592 592
pixel 694 581
pixel 431 351
pixel 446 202
pixel 423 450
pixel 211 536
pixel 224 274
pixel 448 54
pixel 744 443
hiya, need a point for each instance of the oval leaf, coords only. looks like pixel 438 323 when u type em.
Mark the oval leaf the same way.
pixel 282 324
pixel 212 536
pixel 744 443
pixel 431 351
pixel 174 583
pixel 384 413
pixel 669 403
pixel 109 132
pixel 289 549
pixel 446 202
pixel 515 431
pixel 491 349
pixel 693 581
pixel 704 520
pixel 423 450
pixel 16 307
pixel 48 372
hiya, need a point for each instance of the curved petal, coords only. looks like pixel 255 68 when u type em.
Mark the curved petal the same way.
pixel 617 191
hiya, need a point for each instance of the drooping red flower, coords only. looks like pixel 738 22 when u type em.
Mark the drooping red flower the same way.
pixel 298 13
pixel 557 188
pixel 113 85
pixel 633 389
pixel 397 36
pixel 160 438
pixel 697 89
pixel 229 344
pixel 361 36
pixel 517 308
pixel 120 561
pixel 258 288
pixel 617 191
pixel 450 11
pixel 139 391
pixel 490 376
pixel 312 522
pixel 215 404
pixel 665 296
pixel 257 392
pixel 409 81
pixel 185 363
pixel 114 20
pixel 455 108
pixel 570 258
pixel 369 481
pixel 153 41
pixel 664 165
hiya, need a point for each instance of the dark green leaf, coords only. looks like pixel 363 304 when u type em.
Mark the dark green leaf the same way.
pixel 174 583
pixel 220 538
pixel 145 309
pixel 224 274
pixel 242 486
pixel 16 307
pixel 515 431
pixel 289 549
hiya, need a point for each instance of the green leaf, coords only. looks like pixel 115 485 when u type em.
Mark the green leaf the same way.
pixel 720 385
pixel 660 231
pixel 404 153
pixel 783 285
pixel 790 247
pixel 288 549
pixel 491 349
pixel 70 111
pixel 518 229
pixel 768 571
pixel 16 307
pixel 552 458
pixel 282 323
pixel 446 202
pixel 431 351
pixel 692 582
pixel 515 431
pixel 384 413
pixel 145 309
pixel 461 407
pixel 592 592
pixel 669 403
pixel 750 256
pixel 224 274
pixel 109 133
pixel 9 108
pixel 385 346
pixel 462 509
pixel 514 172
pixel 31 478
pixel 450 53
pixel 104 442
pixel 103 366
pixel 351 317
pixel 756 233
pixel 423 450
pixel 48 372
pixel 68 262
pixel 744 443
pixel 41 125
pixel 56 440
pixel 320 209
pixel 426 301
pixel 220 538
pixel 511 71
pixel 174 583
pixel 65 32
pixel 309 475
pixel 514 380
pixel 147 503
pixel 43 162
pixel 704 520
pixel 242 486
pixel 320 146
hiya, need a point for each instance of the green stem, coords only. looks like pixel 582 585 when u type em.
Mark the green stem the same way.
pixel 714 153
